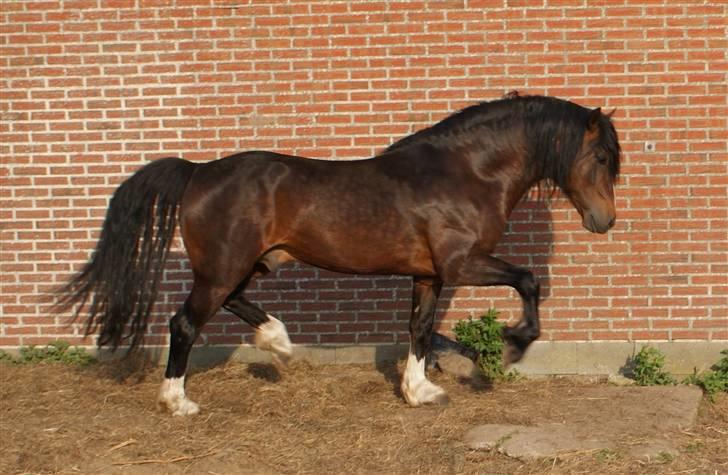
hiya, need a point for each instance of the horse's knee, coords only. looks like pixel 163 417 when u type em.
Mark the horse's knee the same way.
pixel 528 285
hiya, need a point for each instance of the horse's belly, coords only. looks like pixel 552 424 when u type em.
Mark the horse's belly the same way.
pixel 365 257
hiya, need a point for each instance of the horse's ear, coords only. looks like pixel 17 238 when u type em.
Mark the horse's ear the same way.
pixel 611 112
pixel 593 121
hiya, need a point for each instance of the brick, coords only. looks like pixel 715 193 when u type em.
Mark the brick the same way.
pixel 91 101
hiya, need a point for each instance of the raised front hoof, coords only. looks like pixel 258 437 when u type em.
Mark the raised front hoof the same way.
pixel 511 354
pixel 516 341
pixel 425 395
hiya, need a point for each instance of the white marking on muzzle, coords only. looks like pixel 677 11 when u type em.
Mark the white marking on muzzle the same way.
pixel 272 336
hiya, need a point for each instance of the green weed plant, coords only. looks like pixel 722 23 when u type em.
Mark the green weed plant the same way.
pixel 649 368
pixel 485 335
pixel 713 382
pixel 55 352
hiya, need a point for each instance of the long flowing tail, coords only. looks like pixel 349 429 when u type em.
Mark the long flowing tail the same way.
pixel 118 285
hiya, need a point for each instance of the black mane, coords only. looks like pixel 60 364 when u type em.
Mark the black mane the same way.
pixel 554 130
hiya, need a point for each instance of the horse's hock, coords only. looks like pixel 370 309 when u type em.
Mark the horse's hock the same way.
pixel 630 419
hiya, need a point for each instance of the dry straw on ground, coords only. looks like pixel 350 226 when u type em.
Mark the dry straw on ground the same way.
pixel 334 419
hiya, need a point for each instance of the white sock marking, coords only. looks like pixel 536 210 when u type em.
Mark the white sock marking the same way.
pixel 172 396
pixel 272 336
pixel 416 388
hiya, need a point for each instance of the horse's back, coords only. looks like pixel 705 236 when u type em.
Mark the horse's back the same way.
pixel 351 216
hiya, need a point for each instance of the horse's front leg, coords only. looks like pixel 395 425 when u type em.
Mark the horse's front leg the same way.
pixel 485 270
pixel 416 388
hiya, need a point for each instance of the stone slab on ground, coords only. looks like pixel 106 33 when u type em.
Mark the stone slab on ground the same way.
pixel 531 441
pixel 590 426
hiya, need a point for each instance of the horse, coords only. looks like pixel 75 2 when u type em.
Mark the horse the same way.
pixel 432 206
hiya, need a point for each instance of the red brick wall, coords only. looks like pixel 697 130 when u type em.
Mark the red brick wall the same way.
pixel 93 89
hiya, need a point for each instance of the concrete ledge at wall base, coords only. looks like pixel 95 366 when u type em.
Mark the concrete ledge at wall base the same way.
pixel 544 358
pixel 606 357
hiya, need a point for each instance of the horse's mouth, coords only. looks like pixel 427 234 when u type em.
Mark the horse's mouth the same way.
pixel 590 223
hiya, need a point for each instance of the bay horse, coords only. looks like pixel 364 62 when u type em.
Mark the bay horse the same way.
pixel 432 206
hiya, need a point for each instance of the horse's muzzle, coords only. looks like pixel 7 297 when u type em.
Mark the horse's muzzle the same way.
pixel 598 225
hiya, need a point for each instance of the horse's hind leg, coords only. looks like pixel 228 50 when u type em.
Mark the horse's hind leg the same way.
pixel 416 388
pixel 270 333
pixel 202 303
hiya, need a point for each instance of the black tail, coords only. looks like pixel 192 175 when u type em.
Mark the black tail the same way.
pixel 119 284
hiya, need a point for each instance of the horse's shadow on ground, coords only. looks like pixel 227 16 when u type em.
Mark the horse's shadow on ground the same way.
pixel 127 368
pixel 264 371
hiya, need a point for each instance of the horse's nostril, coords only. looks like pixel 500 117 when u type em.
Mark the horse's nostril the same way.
pixel 611 222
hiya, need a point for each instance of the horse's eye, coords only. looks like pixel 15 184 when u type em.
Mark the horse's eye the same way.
pixel 601 159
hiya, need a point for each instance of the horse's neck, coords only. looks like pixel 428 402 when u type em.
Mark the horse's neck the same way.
pixel 510 169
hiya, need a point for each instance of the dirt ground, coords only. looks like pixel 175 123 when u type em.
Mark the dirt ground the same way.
pixel 331 419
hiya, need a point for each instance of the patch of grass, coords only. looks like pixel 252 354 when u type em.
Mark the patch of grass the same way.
pixel 664 457
pixel 6 357
pixel 485 335
pixel 607 455
pixel 499 443
pixel 648 370
pixel 694 446
pixel 648 367
pixel 55 352
pixel 511 376
pixel 712 382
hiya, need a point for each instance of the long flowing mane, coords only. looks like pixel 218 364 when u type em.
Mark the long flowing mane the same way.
pixel 554 129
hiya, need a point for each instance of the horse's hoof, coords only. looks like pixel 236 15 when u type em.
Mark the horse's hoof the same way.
pixel 180 407
pixel 172 398
pixel 272 336
pixel 186 408
pixel 516 342
pixel 511 354
pixel 425 393
pixel 441 399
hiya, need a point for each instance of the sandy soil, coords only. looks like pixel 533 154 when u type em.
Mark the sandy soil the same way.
pixel 335 419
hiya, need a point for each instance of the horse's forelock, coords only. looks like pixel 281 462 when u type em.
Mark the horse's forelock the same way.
pixel 610 143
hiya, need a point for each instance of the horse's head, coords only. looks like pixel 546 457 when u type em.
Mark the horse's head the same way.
pixel 590 184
